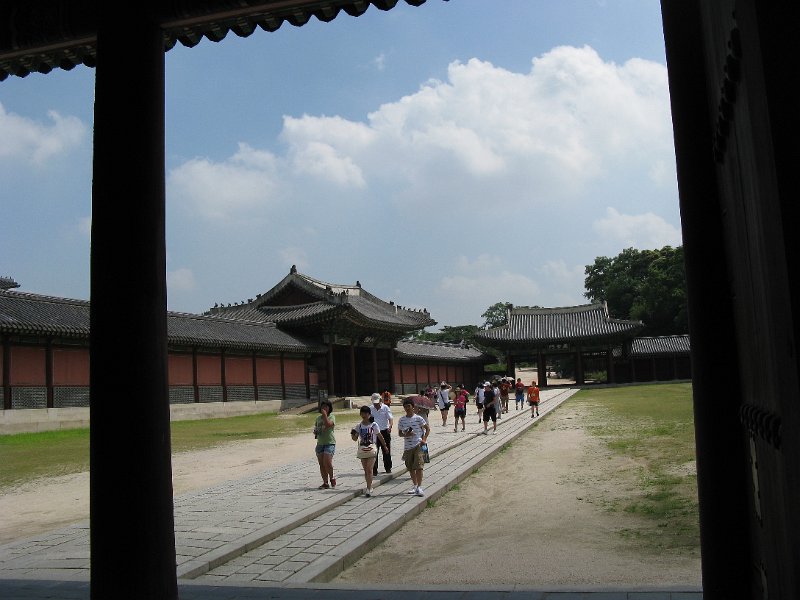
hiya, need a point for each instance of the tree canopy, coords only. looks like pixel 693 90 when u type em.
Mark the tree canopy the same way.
pixel 643 285
pixel 496 315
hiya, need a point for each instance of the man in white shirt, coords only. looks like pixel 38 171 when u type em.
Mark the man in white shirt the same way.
pixel 382 416
pixel 415 430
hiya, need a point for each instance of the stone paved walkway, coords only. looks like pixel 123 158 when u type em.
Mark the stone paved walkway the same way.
pixel 278 529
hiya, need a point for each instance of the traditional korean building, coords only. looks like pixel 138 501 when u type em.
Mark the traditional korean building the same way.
pixel 585 332
pixel 302 340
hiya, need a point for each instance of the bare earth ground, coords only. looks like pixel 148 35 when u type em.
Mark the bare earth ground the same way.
pixel 533 515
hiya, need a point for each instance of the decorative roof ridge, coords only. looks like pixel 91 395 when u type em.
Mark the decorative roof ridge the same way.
pixel 661 337
pixel 435 343
pixel 219 318
pixel 44 298
pixel 530 310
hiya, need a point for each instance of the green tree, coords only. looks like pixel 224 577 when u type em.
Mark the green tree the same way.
pixel 645 285
pixel 496 315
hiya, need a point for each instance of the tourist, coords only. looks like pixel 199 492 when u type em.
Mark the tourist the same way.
pixel 382 416
pixel 460 408
pixel 479 400
pixel 414 431
pixel 533 399
pixel 367 433
pixel 443 401
pixel 498 408
pixel 505 387
pixel 326 443
pixel 387 398
pixel 490 401
pixel 519 393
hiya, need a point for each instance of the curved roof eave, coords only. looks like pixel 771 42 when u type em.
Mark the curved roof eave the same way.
pixel 43 35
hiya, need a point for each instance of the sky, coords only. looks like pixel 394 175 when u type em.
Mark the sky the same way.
pixel 447 157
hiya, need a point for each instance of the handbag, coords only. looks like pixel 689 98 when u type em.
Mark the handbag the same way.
pixel 366 452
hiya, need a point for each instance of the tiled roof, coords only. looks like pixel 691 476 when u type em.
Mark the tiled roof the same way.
pixel 556 325
pixel 666 345
pixel 347 302
pixel 441 351
pixel 33 314
pixel 42 35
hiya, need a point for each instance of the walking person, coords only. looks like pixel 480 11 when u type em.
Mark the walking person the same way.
pixel 414 431
pixel 382 416
pixel 489 408
pixel 519 393
pixel 460 408
pixel 498 407
pixel 479 399
pixel 326 443
pixel 505 387
pixel 443 401
pixel 533 399
pixel 367 434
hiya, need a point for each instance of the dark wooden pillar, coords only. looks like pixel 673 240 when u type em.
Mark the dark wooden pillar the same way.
pixel 6 373
pixel 195 381
pixel 223 376
pixel 541 364
pixel 330 369
pixel 48 372
pixel 374 354
pixel 579 379
pixel 132 525
pixel 721 460
pixel 353 389
pixel 255 377
pixel 392 382
pixel 283 379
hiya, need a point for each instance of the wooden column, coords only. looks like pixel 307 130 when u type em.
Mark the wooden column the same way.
pixel 352 368
pixel 132 526
pixel 222 375
pixel 579 380
pixel 48 372
pixel 255 377
pixel 195 383
pixel 392 382
pixel 330 369
pixel 6 373
pixel 283 379
pixel 722 469
pixel 541 367
pixel 610 364
pixel 374 369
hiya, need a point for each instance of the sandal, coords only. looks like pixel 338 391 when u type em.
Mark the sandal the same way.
pixel 324 486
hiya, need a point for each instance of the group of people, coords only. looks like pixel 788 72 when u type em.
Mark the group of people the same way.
pixel 374 431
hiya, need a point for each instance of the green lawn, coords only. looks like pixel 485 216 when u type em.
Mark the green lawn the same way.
pixel 26 456
pixel 652 426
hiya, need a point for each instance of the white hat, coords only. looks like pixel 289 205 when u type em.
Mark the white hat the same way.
pixel 376 398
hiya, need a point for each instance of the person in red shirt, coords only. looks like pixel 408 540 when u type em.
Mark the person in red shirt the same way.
pixel 460 405
pixel 505 386
pixel 533 399
pixel 519 393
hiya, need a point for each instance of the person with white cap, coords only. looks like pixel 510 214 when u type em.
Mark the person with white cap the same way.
pixel 443 401
pixel 382 416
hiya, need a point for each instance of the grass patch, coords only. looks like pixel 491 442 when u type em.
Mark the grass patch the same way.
pixel 28 456
pixel 653 426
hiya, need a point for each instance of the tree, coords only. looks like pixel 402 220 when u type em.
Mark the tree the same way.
pixel 643 285
pixel 496 315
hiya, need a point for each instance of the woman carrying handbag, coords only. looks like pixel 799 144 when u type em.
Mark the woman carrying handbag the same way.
pixel 367 434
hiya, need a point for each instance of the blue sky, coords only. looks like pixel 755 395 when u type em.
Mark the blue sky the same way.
pixel 447 156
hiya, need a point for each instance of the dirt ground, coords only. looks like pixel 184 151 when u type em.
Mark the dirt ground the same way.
pixel 533 515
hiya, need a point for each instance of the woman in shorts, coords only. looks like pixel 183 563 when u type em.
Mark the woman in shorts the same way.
pixel 367 435
pixel 326 443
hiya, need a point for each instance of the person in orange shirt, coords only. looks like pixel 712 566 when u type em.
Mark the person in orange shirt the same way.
pixel 533 399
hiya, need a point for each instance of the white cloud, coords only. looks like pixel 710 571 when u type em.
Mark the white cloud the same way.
pixel 181 280
pixel 638 231
pixel 379 62
pixel 27 140
pixel 245 184
pixel 296 256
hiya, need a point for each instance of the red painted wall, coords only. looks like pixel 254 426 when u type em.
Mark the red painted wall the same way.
pixel 70 366
pixel 180 369
pixel 294 371
pixel 208 370
pixel 268 371
pixel 238 370
pixel 27 366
